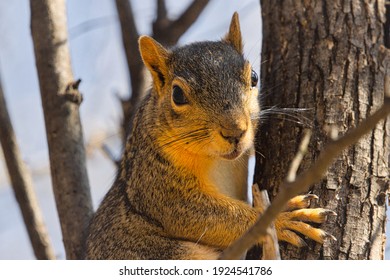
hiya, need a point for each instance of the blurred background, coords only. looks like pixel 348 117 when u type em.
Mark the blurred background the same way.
pixel 98 59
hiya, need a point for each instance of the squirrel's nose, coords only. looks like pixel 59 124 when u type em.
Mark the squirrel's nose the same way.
pixel 232 135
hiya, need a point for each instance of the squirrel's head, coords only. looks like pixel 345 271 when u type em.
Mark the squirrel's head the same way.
pixel 206 95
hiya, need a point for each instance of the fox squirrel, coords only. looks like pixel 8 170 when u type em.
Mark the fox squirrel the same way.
pixel 181 185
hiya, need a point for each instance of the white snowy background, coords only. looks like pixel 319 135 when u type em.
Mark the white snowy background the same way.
pixel 98 59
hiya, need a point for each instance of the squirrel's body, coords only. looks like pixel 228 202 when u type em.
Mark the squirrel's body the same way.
pixel 132 221
pixel 179 190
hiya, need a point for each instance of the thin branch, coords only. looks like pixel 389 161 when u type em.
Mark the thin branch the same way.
pixel 130 39
pixel 161 12
pixel 261 200
pixel 168 32
pixel 23 187
pixel 270 244
pixel 296 162
pixel 135 65
pixel 306 179
pixel 187 18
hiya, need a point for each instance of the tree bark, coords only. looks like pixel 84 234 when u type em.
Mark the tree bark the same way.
pixel 60 101
pixel 324 56
pixel 22 186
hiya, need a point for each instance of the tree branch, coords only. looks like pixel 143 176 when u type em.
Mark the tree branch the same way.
pixel 296 162
pixel 270 244
pixel 62 120
pixel 23 187
pixel 187 18
pixel 261 200
pixel 169 32
pixel 135 65
pixel 307 178
pixel 161 12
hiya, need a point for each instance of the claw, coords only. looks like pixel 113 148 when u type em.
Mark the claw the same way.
pixel 328 235
pixel 295 220
pixel 315 215
pixel 311 197
pixel 329 213
pixel 301 201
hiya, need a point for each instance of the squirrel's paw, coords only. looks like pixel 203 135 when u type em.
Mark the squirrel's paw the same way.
pixel 292 221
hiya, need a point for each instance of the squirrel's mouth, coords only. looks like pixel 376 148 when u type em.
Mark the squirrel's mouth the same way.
pixel 233 154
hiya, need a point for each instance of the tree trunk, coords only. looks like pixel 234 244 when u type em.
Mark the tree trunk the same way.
pixel 324 56
pixel 60 101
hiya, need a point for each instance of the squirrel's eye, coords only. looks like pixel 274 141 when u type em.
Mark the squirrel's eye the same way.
pixel 178 96
pixel 254 78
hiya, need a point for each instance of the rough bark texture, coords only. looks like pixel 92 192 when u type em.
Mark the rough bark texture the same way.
pixel 324 56
pixel 60 100
pixel 23 187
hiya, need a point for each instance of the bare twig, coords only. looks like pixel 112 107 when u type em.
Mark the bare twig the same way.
pixel 23 187
pixel 168 32
pixel 188 17
pixel 261 200
pixel 307 178
pixel 161 12
pixel 270 244
pixel 134 63
pixel 136 68
pixel 296 162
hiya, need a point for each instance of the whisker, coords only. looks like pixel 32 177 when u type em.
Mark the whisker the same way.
pixel 289 114
pixel 257 152
pixel 188 136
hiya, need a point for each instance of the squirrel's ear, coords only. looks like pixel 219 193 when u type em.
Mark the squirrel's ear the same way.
pixel 234 35
pixel 155 58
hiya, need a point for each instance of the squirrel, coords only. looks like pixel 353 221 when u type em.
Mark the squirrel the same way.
pixel 181 186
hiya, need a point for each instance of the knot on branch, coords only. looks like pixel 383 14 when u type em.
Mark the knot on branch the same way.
pixel 72 92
